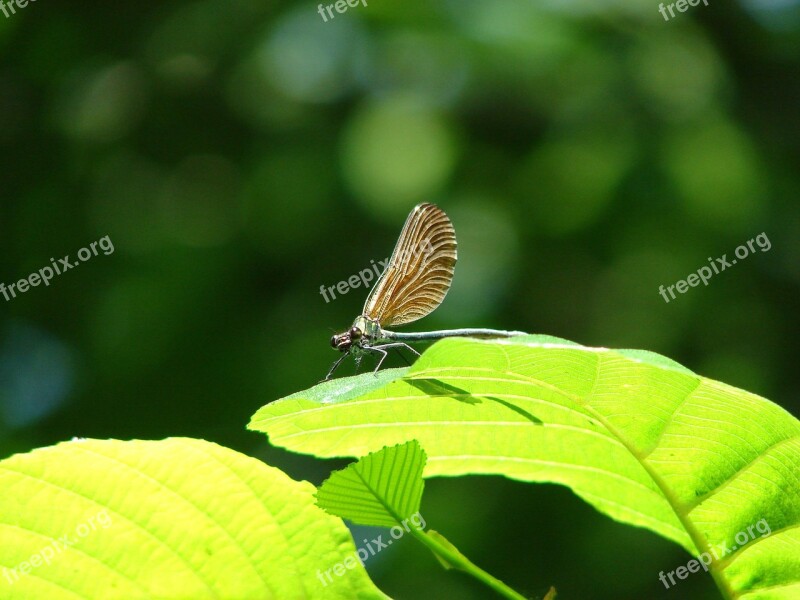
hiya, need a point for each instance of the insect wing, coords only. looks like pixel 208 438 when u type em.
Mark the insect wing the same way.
pixel 420 271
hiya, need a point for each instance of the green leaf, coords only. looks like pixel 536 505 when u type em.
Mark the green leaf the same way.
pixel 173 519
pixel 385 489
pixel 382 489
pixel 641 438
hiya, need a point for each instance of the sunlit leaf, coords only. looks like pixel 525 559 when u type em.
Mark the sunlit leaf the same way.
pixel 175 519
pixel 639 437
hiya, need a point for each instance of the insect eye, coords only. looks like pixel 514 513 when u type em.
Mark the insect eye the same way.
pixel 355 333
pixel 333 341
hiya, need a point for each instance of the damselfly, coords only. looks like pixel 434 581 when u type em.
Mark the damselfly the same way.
pixel 413 284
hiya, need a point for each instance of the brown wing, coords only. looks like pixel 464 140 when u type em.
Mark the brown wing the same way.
pixel 419 273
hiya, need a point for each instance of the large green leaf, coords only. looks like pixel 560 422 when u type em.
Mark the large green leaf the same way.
pixel 175 519
pixel 641 438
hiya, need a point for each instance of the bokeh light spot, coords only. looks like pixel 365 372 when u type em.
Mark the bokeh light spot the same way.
pixel 715 168
pixel 571 181
pixel 397 152
pixel 36 374
pixel 102 105
pixel 678 74
pixel 431 66
pixel 309 60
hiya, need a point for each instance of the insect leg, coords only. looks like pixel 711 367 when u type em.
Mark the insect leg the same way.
pixel 335 365
pixel 383 352
pixel 383 347
pixel 396 345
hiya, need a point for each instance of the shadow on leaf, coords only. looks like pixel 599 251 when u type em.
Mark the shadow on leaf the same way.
pixel 434 387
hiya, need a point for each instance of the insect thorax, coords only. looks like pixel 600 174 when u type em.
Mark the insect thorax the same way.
pixel 370 328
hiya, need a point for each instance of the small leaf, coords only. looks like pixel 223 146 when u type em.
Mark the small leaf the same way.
pixel 381 489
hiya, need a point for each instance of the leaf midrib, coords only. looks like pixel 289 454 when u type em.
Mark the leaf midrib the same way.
pixel 699 540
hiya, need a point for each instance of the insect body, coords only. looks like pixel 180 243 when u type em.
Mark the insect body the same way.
pixel 414 283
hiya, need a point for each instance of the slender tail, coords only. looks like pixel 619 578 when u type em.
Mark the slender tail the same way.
pixel 427 336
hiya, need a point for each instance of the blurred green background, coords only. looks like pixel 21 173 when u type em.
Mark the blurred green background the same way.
pixel 241 154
